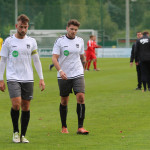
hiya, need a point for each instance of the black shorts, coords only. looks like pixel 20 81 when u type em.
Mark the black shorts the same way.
pixel 66 86
pixel 19 89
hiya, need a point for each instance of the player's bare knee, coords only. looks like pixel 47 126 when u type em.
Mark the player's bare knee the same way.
pixel 64 103
pixel 16 106
pixel 16 103
pixel 25 108
pixel 80 98
pixel 25 105
pixel 64 100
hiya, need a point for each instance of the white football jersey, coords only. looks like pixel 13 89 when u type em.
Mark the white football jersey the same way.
pixel 19 61
pixel 69 51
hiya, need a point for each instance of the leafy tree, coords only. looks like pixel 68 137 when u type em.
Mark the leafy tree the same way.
pixel 39 20
pixel 117 13
pixel 52 15
pixel 6 16
pixel 74 10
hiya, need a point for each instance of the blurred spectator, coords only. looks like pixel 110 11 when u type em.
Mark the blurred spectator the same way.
pixel 91 54
pixel 138 69
pixel 142 57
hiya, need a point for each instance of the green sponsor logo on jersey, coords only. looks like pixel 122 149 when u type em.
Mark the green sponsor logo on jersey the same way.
pixel 66 52
pixel 15 53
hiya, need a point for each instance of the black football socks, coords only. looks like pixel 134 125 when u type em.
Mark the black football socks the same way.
pixel 63 115
pixel 25 117
pixel 15 117
pixel 144 85
pixel 81 114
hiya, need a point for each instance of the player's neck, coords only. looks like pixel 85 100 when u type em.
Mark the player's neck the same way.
pixel 18 36
pixel 69 37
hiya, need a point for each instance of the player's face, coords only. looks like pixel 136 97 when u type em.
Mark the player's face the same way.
pixel 94 38
pixel 72 31
pixel 22 28
pixel 139 35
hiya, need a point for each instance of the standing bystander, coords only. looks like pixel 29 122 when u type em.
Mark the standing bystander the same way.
pixel 138 69
pixel 142 57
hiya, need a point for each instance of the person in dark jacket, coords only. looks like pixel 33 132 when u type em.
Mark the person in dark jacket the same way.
pixel 138 69
pixel 142 55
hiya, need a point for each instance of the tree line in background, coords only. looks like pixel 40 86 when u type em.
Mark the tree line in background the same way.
pixel 106 16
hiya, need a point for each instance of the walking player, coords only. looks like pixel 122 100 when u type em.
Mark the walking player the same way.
pixel 68 57
pixel 17 51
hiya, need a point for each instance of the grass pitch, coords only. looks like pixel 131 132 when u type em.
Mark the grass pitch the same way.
pixel 117 116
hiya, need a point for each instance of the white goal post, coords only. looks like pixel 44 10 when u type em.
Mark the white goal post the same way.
pixel 46 38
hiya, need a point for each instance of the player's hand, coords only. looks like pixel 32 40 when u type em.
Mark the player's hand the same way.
pixel 63 75
pixel 131 64
pixel 42 84
pixel 2 86
pixel 137 63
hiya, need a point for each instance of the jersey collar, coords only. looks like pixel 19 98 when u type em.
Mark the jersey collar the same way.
pixel 69 37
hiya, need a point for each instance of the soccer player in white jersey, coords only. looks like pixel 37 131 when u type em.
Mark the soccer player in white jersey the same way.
pixel 18 51
pixel 68 58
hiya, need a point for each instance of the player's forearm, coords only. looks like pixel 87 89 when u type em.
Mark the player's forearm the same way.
pixel 2 67
pixel 38 66
pixel 82 57
pixel 55 62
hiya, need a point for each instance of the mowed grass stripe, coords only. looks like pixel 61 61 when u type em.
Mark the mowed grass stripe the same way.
pixel 117 116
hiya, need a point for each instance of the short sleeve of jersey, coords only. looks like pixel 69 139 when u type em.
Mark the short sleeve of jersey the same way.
pixel 5 48
pixel 82 47
pixel 56 48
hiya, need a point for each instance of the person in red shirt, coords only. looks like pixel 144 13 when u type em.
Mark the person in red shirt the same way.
pixel 91 54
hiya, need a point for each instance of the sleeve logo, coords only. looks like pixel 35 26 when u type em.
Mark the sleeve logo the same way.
pixel 15 53
pixel 66 52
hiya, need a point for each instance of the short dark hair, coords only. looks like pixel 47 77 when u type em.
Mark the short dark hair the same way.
pixel 73 22
pixel 145 32
pixel 23 18
pixel 91 36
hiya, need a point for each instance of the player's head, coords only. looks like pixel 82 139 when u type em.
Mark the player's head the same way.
pixel 22 25
pixel 72 28
pixel 139 35
pixel 94 38
pixel 146 33
pixel 91 37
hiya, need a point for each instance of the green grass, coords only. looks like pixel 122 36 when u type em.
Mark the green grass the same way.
pixel 112 105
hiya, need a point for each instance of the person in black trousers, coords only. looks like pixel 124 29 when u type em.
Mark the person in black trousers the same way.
pixel 51 66
pixel 138 69
pixel 142 55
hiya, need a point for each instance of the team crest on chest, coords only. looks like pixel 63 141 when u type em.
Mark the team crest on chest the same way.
pixel 77 45
pixel 28 46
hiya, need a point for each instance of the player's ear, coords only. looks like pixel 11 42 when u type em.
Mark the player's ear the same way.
pixel 16 25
